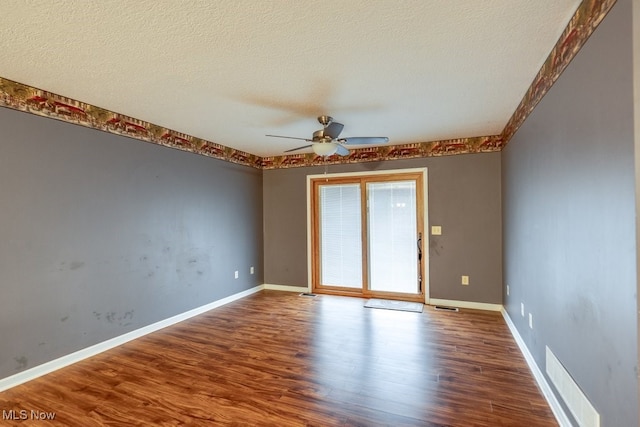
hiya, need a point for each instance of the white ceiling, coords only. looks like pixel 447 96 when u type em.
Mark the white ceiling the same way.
pixel 231 71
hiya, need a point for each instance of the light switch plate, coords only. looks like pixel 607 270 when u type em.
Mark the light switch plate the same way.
pixel 436 230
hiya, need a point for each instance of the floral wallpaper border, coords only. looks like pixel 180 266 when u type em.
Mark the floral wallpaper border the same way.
pixel 584 21
pixel 482 144
pixel 25 98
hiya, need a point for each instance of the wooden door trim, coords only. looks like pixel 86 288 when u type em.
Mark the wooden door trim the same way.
pixel 418 175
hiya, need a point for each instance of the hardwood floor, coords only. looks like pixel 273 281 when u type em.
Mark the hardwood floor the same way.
pixel 276 358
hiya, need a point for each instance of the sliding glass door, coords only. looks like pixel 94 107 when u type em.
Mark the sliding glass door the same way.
pixel 393 237
pixel 366 235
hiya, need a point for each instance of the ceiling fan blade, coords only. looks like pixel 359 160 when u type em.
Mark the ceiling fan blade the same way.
pixel 289 137
pixel 364 140
pixel 333 130
pixel 299 148
pixel 341 151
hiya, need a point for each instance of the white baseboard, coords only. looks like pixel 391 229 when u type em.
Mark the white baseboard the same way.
pixel 48 367
pixel 466 304
pixel 556 408
pixel 286 288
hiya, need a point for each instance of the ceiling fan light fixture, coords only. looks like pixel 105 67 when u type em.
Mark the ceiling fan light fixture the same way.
pixel 325 148
pixel 325 141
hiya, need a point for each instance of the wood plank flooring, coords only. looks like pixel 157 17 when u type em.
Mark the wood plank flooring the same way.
pixel 276 358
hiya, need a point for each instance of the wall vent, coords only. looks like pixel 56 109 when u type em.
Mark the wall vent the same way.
pixel 582 410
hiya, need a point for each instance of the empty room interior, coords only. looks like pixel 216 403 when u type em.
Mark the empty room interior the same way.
pixel 319 213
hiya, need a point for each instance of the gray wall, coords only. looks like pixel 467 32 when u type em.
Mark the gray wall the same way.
pixel 102 235
pixel 569 223
pixel 464 198
pixel 636 113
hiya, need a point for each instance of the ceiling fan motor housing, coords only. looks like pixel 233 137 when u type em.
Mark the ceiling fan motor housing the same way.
pixel 319 136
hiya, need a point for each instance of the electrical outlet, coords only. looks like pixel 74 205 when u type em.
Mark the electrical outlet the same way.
pixel 531 320
pixel 465 280
pixel 251 270
pixel 235 275
pixel 522 309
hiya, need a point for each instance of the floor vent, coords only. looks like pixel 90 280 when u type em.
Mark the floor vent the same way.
pixel 307 294
pixel 443 308
pixel 573 396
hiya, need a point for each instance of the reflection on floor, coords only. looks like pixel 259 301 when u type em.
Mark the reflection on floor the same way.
pixel 275 358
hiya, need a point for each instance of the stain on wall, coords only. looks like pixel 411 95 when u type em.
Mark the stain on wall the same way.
pixel 103 235
pixel 22 363
pixel 76 265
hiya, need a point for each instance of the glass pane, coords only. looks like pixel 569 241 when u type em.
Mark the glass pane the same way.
pixel 340 236
pixel 393 235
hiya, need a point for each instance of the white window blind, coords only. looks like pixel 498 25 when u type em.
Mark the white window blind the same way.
pixel 340 236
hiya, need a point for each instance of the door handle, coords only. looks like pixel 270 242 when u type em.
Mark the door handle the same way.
pixel 419 262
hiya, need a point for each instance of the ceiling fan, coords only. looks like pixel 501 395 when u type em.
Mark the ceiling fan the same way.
pixel 325 141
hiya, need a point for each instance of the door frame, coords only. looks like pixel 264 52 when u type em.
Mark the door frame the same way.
pixel 425 227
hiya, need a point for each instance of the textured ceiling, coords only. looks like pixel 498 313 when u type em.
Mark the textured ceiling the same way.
pixel 232 71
